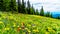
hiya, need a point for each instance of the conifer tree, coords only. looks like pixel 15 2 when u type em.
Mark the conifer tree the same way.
pixel 32 10
pixel 23 6
pixel 1 5
pixel 48 14
pixel 37 13
pixel 6 5
pixel 19 6
pixel 58 17
pixel 28 7
pixel 51 15
pixel 13 5
pixel 42 11
pixel 25 10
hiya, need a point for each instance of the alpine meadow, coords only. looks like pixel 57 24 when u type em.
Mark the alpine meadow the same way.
pixel 21 17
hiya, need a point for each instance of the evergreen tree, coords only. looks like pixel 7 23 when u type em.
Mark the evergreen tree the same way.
pixel 51 15
pixel 1 5
pixel 6 5
pixel 19 6
pixel 13 5
pixel 28 7
pixel 25 10
pixel 47 14
pixel 37 13
pixel 32 10
pixel 42 11
pixel 58 17
pixel 23 6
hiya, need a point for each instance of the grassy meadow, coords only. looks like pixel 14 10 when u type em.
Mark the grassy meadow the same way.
pixel 27 24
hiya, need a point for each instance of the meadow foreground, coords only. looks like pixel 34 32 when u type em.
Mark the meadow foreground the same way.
pixel 27 24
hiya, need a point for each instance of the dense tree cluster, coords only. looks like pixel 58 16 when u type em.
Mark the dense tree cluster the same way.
pixel 22 7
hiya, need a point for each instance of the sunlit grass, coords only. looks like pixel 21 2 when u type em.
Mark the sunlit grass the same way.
pixel 27 24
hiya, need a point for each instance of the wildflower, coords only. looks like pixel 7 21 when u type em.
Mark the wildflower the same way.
pixel 49 29
pixel 28 25
pixel 18 29
pixel 23 26
pixel 36 30
pixel 7 28
pixel 14 25
pixel 53 30
pixel 29 31
pixel 46 32
pixel 1 22
pixel 26 28
pixel 0 18
pixel 11 17
pixel 3 16
pixel 0 29
pixel 57 26
pixel 33 25
pixel 17 26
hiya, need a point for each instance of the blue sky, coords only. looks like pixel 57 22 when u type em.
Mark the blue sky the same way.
pixel 48 5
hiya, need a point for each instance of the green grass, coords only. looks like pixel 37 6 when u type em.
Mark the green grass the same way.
pixel 27 24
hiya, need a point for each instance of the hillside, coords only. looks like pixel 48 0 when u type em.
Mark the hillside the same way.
pixel 27 24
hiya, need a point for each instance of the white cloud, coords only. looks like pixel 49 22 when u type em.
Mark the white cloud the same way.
pixel 49 5
pixel 52 5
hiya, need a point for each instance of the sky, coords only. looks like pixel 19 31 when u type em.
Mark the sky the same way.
pixel 48 5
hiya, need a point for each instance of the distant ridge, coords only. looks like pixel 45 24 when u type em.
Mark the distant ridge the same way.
pixel 56 15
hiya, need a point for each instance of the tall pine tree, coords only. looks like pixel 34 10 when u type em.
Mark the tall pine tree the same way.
pixel 48 14
pixel 1 5
pixel 19 6
pixel 28 7
pixel 6 5
pixel 42 11
pixel 32 10
pixel 37 13
pixel 13 5
pixel 23 6
pixel 51 15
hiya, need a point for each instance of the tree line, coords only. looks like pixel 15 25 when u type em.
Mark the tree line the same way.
pixel 22 7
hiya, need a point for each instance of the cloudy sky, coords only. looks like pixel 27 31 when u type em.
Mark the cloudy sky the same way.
pixel 48 5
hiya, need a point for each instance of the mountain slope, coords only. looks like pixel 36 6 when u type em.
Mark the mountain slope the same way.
pixel 27 24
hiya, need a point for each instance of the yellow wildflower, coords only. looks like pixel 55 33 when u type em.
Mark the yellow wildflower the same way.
pixel 26 28
pixel 0 29
pixel 36 30
pixel 53 30
pixel 49 29
pixel 28 25
pixel 0 18
pixel 1 22
pixel 33 26
pixel 29 31
pixel 18 26
pixel 14 24
pixel 7 28
pixel 3 16
pixel 11 17
pixel 46 32
pixel 57 26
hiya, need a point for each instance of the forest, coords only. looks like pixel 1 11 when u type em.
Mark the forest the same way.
pixel 22 7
